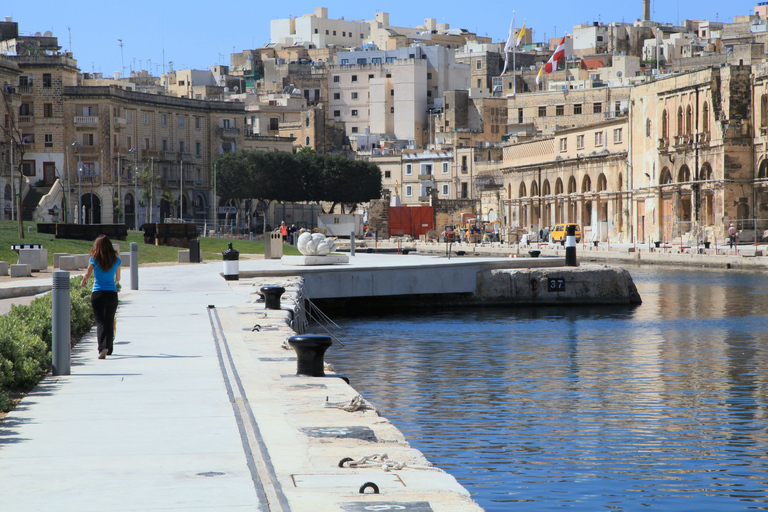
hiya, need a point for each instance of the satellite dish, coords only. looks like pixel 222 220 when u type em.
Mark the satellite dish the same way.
pixel 237 88
pixel 48 33
pixel 618 74
pixel 38 34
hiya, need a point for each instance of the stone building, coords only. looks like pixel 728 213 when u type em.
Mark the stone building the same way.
pixel 9 107
pixel 692 154
pixel 577 175
pixel 143 156
pixel 44 72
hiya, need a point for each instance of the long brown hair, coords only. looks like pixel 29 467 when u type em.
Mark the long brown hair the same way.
pixel 103 252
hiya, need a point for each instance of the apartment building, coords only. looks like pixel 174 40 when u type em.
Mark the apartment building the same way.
pixel 320 30
pixel 134 151
pixel 43 73
pixel 389 92
pixel 9 107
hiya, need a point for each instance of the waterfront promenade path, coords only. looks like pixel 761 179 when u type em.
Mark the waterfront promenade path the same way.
pixel 196 411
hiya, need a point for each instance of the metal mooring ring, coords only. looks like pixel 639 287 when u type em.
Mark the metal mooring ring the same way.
pixel 371 485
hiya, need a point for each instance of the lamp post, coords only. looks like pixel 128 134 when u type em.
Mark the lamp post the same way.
pixel 79 184
pixel 136 191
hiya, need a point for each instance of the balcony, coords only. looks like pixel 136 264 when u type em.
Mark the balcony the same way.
pixel 228 133
pixel 703 138
pixel 89 150
pixel 24 89
pixel 121 121
pixel 176 156
pixel 26 120
pixel 87 120
pixel 663 143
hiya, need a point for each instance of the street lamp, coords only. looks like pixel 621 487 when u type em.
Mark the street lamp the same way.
pixel 136 191
pixel 79 184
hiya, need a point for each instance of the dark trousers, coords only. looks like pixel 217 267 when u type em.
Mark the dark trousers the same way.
pixel 104 308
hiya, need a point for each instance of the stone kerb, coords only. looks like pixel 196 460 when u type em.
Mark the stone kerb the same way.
pixel 3 268
pixel 68 262
pixel 57 256
pixel 21 270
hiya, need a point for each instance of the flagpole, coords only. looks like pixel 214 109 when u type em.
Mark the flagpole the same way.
pixel 514 52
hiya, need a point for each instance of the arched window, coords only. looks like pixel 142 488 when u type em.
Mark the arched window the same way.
pixel 558 187
pixel 664 130
pixel 572 185
pixel 764 110
pixel 665 178
pixel 602 183
pixel 706 172
pixel 688 120
pixel 680 120
pixel 545 187
pixel 586 184
pixel 522 190
pixel 762 173
pixel 684 174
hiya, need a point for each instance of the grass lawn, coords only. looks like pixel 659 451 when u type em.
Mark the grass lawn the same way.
pixel 211 247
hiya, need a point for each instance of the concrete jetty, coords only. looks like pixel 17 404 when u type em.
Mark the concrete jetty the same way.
pixel 200 408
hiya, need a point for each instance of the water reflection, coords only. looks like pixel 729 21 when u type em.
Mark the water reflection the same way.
pixel 663 405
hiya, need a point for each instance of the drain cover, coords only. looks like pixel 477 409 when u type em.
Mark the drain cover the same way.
pixel 363 433
pixel 210 473
pixel 414 506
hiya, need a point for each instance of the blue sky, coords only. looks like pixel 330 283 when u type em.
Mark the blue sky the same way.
pixel 192 34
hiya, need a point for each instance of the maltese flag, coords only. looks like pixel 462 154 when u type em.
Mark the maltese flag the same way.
pixel 556 57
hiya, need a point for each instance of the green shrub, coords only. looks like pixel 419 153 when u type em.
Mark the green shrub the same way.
pixel 26 337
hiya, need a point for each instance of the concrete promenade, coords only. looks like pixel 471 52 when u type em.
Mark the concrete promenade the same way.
pixel 197 410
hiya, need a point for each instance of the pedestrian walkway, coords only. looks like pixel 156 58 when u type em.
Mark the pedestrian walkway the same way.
pixel 142 430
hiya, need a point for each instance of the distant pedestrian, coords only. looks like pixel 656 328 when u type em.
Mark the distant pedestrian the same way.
pixel 731 236
pixel 284 231
pixel 292 232
pixel 104 264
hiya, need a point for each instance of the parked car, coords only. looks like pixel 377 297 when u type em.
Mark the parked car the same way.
pixel 558 232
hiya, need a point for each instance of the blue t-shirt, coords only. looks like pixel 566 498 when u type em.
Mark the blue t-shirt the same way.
pixel 104 281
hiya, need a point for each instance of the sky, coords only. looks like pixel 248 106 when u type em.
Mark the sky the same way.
pixel 195 35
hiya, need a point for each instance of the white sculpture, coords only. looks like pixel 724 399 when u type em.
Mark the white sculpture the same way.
pixel 315 244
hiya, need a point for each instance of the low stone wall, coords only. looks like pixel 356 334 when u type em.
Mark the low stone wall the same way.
pixel 588 285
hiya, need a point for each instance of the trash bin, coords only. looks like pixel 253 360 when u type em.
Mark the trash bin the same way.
pixel 194 251
pixel 231 264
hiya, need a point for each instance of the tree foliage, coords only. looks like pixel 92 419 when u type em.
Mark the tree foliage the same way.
pixel 296 177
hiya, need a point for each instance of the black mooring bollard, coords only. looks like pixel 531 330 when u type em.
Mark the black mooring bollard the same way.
pixel 272 296
pixel 570 245
pixel 310 349
pixel 231 264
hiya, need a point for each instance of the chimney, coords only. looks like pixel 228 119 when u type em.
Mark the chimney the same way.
pixel 646 10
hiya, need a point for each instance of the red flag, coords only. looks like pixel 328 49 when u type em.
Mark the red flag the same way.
pixel 556 57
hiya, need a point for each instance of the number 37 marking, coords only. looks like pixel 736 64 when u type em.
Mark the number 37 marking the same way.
pixel 556 284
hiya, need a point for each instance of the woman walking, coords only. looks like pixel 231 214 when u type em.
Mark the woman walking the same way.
pixel 105 267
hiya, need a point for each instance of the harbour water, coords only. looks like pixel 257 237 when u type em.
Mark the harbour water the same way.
pixel 661 406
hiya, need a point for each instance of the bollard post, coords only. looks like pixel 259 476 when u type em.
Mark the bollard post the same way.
pixel 310 349
pixel 231 264
pixel 60 323
pixel 570 246
pixel 134 266
pixel 352 244
pixel 272 296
